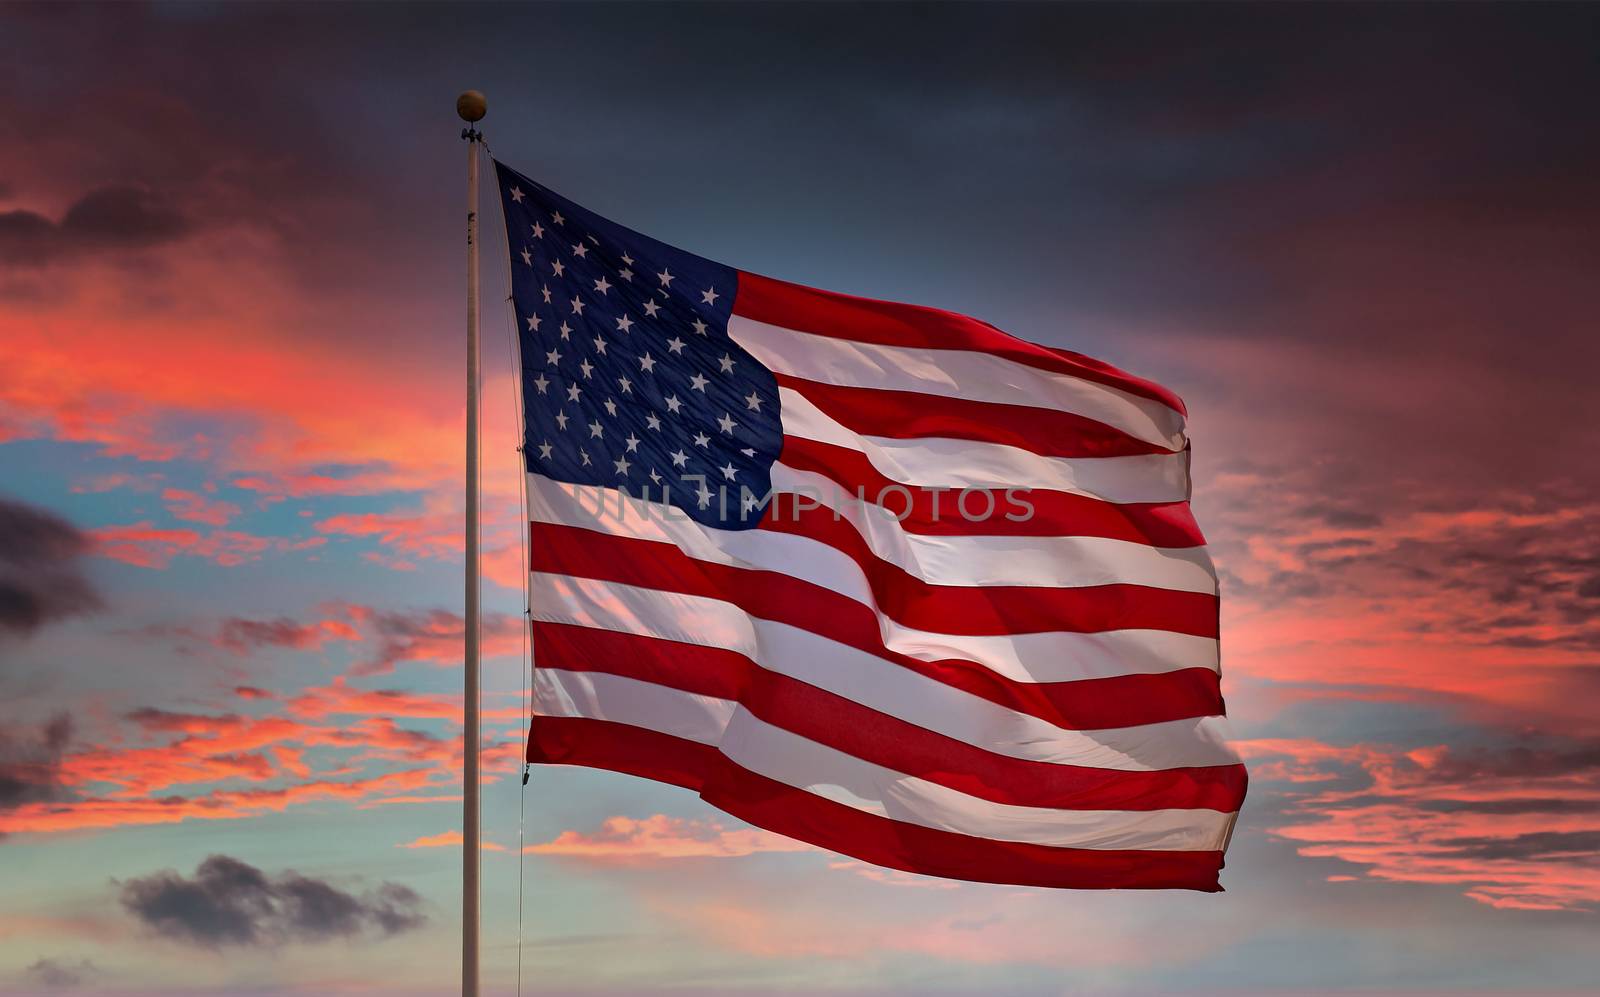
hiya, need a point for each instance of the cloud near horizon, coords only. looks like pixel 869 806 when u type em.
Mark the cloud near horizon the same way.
pixel 229 903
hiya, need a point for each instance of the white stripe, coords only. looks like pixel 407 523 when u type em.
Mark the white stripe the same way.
pixel 955 374
pixel 874 682
pixel 931 462
pixel 834 775
pixel 558 693
pixel 965 561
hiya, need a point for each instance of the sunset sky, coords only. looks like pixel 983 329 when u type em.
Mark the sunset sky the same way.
pixel 1361 242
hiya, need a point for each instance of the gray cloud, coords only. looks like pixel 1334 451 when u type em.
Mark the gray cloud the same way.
pixel 1564 846
pixel 40 578
pixel 232 903
pixel 60 974
pixel 117 217
pixel 30 764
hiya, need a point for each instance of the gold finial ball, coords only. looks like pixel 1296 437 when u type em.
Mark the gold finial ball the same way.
pixel 472 106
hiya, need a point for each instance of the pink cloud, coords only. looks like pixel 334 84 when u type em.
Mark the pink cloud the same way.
pixel 661 838
pixel 1513 829
pixel 196 508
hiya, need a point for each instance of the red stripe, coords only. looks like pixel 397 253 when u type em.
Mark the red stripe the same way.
pixel 1055 514
pixel 997 610
pixel 848 726
pixel 785 810
pixel 601 744
pixel 1088 704
pixel 908 415
pixel 888 323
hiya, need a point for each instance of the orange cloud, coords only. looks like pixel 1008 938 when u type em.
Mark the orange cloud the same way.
pixel 448 839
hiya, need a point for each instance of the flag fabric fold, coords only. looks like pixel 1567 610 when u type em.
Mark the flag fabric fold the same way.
pixel 878 577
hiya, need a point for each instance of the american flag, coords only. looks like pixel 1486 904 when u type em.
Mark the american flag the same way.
pixel 878 577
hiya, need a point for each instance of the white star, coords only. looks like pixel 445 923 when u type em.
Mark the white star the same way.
pixel 577 305
pixel 533 323
pixel 595 429
pixel 654 476
pixel 558 219
pixel 698 383
pixel 527 257
pixel 561 421
pixel 565 328
pixel 679 458
pixel 702 440
pixel 557 267
pixel 627 259
pixel 650 308
pixel 653 421
pixel 704 495
pixel 611 406
pixel 626 385
pixel 726 422
pixel 541 382
pixel 709 296
pixel 602 285
pixel 538 231
pixel 599 345
pixel 622 465
pixel 580 251
pixel 647 363
pixel 545 290
pixel 553 357
pixel 727 470
pixel 516 195
pixel 573 391
pixel 727 364
pixel 749 451
pixel 699 327
pixel 544 450
pixel 587 368
pixel 585 455
pixel 633 443
pixel 665 276
pixel 673 404
pixel 592 240
pixel 752 401
pixel 625 324
pixel 675 345
pixel 626 275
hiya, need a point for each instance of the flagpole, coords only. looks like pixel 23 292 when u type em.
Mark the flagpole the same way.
pixel 471 106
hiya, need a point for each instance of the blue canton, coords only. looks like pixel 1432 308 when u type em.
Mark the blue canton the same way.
pixel 629 377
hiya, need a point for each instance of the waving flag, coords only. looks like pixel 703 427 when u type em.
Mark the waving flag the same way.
pixel 874 576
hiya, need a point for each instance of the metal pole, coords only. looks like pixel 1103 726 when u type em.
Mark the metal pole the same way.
pixel 471 107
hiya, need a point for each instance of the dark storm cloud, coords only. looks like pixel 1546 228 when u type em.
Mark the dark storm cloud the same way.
pixel 232 903
pixel 111 218
pixel 30 762
pixel 40 577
